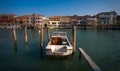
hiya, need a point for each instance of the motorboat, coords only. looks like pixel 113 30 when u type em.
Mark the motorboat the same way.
pixel 59 45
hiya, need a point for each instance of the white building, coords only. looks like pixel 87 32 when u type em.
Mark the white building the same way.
pixel 36 19
pixel 54 23
pixel 107 17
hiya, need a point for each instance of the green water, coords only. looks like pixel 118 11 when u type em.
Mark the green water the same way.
pixel 103 46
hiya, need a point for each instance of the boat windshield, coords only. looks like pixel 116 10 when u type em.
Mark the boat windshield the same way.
pixel 59 34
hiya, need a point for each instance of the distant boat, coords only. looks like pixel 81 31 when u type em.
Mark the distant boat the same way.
pixel 59 45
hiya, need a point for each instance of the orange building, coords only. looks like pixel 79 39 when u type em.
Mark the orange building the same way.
pixel 34 20
pixel 22 19
pixel 54 18
pixel 7 20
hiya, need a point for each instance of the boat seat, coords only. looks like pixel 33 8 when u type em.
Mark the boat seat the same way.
pixel 56 41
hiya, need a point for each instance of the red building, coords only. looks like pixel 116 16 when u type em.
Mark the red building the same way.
pixel 7 20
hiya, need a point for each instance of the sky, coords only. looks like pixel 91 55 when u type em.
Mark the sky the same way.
pixel 58 7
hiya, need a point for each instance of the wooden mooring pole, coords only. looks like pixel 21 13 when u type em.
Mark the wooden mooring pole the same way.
pixel 48 33
pixel 14 38
pixel 89 60
pixel 41 36
pixel 41 41
pixel 26 35
pixel 74 38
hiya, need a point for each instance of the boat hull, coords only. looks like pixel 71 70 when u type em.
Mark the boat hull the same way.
pixel 59 54
pixel 59 46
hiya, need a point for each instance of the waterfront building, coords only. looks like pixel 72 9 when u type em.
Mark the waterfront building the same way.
pixel 118 19
pixel 34 20
pixel 73 19
pixel 81 21
pixel 107 17
pixel 91 20
pixel 62 21
pixel 21 20
pixel 45 22
pixel 7 20
pixel 54 21
pixel 86 21
pixel 65 21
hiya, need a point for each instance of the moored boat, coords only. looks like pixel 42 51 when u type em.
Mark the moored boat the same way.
pixel 59 45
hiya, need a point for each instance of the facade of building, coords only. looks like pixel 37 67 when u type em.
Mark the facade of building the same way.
pixel 74 18
pixel 65 21
pixel 21 20
pixel 68 21
pixel 107 17
pixel 101 20
pixel 118 19
pixel 62 21
pixel 34 20
pixel 91 20
pixel 54 21
pixel 7 20
pixel 81 21
pixel 45 22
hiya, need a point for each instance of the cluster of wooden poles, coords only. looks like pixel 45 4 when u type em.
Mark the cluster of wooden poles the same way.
pixel 15 37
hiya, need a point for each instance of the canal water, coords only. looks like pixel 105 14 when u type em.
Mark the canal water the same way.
pixel 103 46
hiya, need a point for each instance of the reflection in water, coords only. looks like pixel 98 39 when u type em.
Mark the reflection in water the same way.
pixel 26 48
pixel 15 46
pixel 16 55
pixel 41 52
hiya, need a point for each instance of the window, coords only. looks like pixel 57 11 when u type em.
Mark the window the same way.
pixel 53 22
pixel 100 22
pixel 104 22
pixel 107 22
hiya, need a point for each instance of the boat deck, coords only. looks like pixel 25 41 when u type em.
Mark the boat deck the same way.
pixel 61 50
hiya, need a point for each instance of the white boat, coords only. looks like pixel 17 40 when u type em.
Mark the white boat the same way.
pixel 59 45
